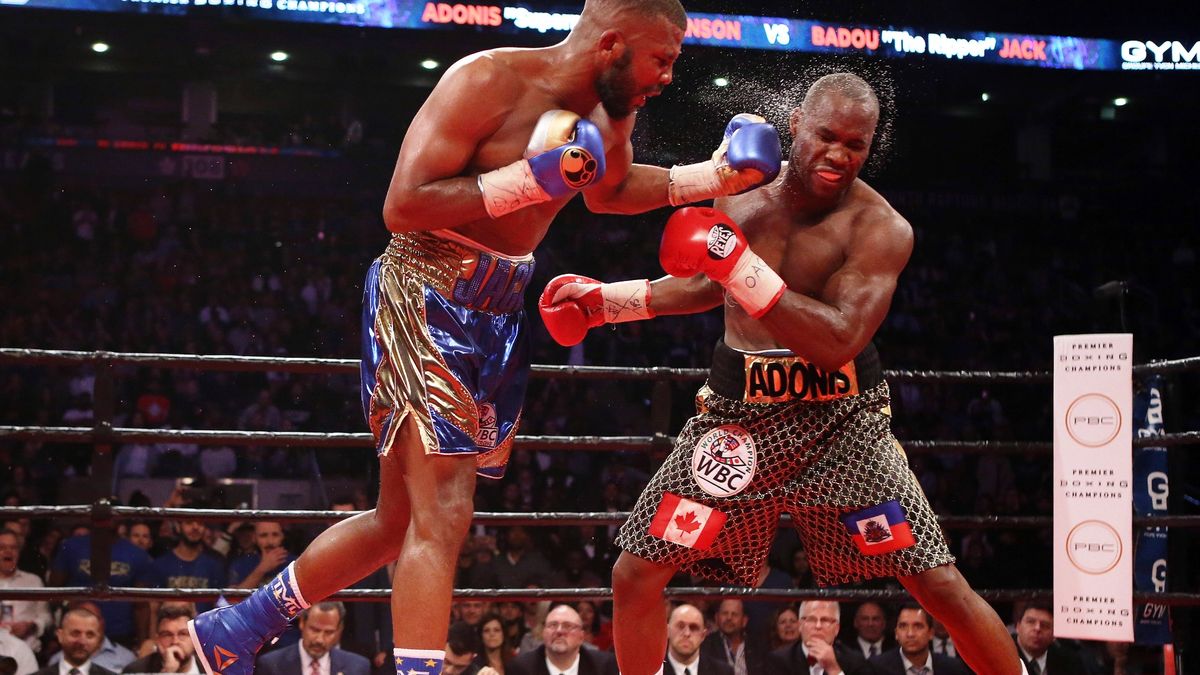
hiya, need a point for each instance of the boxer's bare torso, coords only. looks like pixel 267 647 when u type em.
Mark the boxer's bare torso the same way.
pixel 480 117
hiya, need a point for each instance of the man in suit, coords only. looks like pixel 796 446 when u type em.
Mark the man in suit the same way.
pixel 80 633
pixel 914 632
pixel 685 633
pixel 560 652
pixel 870 630
pixel 1035 642
pixel 744 651
pixel 317 654
pixel 110 655
pixel 173 651
pixel 818 651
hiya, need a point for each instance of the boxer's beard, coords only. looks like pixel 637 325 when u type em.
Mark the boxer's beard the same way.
pixel 616 88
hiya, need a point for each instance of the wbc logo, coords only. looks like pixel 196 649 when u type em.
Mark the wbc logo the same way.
pixel 724 460
pixel 489 430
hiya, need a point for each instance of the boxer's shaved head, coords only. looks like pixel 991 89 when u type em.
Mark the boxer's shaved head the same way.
pixel 847 85
pixel 601 12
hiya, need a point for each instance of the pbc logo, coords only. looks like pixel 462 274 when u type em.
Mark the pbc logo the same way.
pixel 1093 420
pixel 721 242
pixel 578 167
pixel 1094 547
pixel 724 460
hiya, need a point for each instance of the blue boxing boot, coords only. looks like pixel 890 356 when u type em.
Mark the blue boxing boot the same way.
pixel 227 638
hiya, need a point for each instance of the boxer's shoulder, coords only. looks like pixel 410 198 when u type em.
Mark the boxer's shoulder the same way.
pixel 867 208
pixel 492 68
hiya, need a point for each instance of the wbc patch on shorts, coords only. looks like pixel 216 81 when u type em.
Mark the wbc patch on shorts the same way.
pixel 489 430
pixel 879 529
pixel 724 460
pixel 684 522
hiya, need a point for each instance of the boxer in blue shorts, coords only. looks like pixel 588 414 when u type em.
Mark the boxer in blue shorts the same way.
pixel 795 416
pixel 444 342
pixel 504 141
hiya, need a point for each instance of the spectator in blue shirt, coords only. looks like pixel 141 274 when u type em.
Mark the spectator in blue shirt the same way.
pixel 130 566
pixel 190 564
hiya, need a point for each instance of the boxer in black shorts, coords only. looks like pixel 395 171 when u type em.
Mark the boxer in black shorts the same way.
pixel 795 416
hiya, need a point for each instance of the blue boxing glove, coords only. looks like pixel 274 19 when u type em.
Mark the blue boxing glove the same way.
pixel 565 154
pixel 749 156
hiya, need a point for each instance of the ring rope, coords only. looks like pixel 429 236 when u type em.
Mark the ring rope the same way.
pixel 351 366
pixel 105 511
pixel 314 439
pixel 101 592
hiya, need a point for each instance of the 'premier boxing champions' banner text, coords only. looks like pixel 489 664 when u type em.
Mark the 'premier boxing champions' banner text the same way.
pixel 717 30
pixel 1093 496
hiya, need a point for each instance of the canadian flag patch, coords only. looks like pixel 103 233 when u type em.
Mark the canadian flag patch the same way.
pixel 684 522
pixel 879 529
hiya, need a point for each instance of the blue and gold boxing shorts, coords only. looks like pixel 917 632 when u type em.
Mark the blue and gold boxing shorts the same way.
pixel 445 341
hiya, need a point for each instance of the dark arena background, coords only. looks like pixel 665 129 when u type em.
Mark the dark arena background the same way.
pixel 206 178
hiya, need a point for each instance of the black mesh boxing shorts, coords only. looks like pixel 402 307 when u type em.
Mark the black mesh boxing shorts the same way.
pixel 776 434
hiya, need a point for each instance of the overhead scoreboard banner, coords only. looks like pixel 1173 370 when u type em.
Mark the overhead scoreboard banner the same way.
pixel 1093 496
pixel 1136 52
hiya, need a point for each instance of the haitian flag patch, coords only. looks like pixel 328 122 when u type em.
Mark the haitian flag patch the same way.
pixel 879 529
pixel 685 522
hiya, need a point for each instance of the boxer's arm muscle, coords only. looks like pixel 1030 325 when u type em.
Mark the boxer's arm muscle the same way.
pixel 627 187
pixel 832 329
pixel 679 295
pixel 428 190
pixel 643 188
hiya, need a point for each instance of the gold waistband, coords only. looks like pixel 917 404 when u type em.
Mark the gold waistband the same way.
pixel 479 279
pixel 435 261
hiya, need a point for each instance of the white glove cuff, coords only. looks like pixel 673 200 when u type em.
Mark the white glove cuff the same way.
pixel 754 285
pixel 510 188
pixel 694 182
pixel 626 301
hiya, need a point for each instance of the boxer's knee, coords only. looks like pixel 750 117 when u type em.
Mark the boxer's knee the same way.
pixel 942 590
pixel 634 577
pixel 444 504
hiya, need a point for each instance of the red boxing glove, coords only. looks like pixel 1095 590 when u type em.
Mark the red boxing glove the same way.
pixel 701 239
pixel 571 304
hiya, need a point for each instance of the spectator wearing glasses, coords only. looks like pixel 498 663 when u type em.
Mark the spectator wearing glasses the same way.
pixel 818 651
pixel 173 651
pixel 560 653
